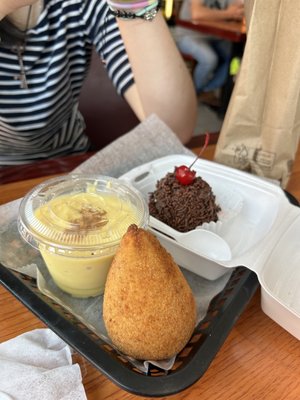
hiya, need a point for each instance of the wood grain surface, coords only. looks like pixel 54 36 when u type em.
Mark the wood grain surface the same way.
pixel 258 361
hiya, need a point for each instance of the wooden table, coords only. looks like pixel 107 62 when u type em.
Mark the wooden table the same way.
pixel 228 30
pixel 259 360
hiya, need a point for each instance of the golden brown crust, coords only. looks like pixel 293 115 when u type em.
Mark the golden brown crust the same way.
pixel 149 309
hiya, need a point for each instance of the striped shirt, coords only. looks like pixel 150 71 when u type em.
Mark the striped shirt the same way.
pixel 43 121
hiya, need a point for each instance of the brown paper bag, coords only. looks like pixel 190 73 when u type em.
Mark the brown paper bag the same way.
pixel 261 128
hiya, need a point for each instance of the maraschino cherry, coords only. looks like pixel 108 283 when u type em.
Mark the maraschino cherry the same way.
pixel 185 175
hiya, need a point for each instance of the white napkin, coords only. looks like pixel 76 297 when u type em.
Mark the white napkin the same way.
pixel 37 365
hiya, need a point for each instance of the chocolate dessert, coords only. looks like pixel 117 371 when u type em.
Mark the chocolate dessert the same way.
pixel 149 309
pixel 183 206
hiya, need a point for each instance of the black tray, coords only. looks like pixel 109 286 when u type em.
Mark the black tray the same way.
pixel 191 363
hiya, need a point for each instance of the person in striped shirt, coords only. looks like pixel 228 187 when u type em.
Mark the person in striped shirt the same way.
pixel 44 57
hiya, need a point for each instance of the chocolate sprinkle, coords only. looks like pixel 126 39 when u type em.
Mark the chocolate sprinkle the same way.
pixel 183 207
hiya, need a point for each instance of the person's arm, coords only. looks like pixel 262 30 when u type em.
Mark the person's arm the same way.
pixel 163 84
pixel 235 11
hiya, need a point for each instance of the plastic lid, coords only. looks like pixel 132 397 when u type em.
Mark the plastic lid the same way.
pixel 84 213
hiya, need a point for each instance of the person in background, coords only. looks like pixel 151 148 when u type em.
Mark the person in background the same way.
pixel 212 55
pixel 45 51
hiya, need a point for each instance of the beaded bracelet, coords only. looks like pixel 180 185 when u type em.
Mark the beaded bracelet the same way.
pixel 146 10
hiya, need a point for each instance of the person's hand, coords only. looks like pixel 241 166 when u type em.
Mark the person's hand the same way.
pixel 235 11
pixel 9 6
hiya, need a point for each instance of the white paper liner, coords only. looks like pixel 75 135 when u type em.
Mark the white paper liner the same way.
pixel 89 311
pixel 19 256
pixel 148 141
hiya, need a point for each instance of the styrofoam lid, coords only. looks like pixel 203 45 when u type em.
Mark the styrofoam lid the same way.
pixel 280 275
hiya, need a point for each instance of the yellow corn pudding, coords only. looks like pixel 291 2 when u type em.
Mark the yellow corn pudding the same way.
pixel 78 231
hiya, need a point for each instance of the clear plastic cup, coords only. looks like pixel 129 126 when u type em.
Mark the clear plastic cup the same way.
pixel 77 222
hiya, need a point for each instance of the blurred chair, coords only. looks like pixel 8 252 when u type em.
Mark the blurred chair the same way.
pixel 107 115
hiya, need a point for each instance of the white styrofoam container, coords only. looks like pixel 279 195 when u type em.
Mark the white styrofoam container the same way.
pixel 264 233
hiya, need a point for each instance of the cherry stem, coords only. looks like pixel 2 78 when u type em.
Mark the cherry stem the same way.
pixel 202 150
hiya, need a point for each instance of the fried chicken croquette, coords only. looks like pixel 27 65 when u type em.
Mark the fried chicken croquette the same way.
pixel 148 309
